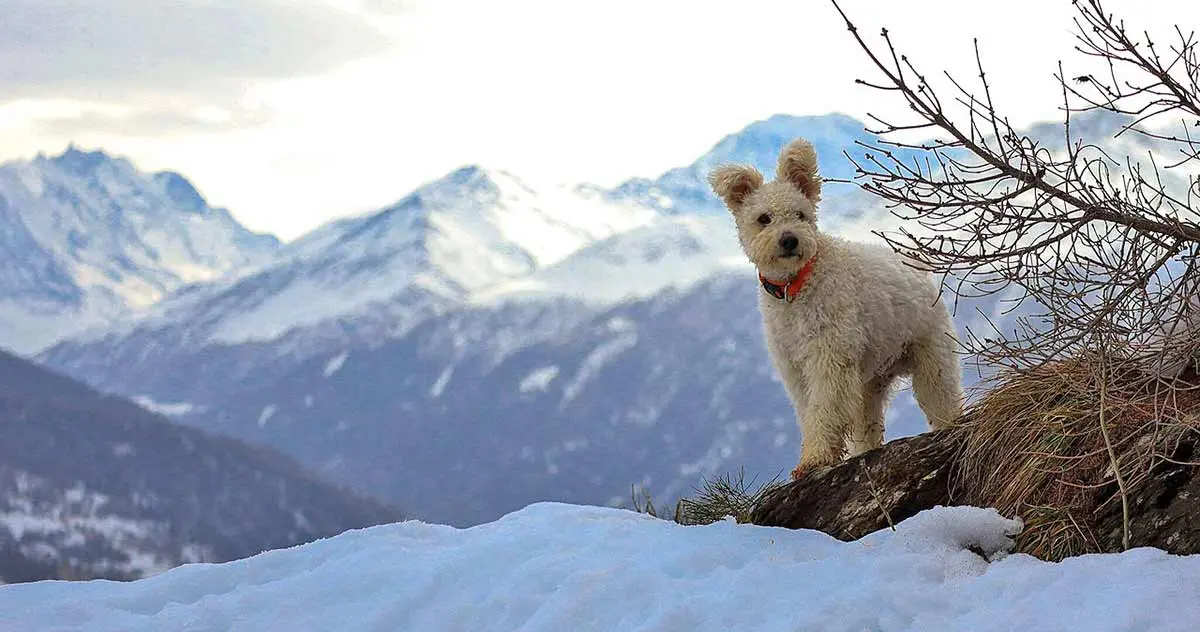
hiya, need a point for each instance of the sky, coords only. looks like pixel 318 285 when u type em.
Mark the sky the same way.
pixel 295 112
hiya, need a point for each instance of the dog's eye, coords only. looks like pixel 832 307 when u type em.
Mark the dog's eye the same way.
pixel 764 219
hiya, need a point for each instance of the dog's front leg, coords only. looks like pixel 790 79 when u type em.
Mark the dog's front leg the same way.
pixel 835 403
pixel 797 389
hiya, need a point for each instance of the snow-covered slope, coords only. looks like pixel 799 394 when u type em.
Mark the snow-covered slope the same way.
pixel 560 567
pixel 85 236
pixel 671 252
pixel 458 235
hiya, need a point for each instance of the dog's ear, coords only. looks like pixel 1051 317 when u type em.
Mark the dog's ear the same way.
pixel 798 165
pixel 733 183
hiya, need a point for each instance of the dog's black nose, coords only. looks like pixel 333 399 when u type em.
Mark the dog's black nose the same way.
pixel 788 242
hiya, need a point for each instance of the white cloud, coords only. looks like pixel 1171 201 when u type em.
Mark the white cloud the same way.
pixel 154 122
pixel 118 50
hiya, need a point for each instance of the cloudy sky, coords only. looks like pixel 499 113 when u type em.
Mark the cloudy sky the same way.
pixel 292 112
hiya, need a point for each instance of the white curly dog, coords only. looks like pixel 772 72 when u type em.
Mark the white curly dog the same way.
pixel 843 320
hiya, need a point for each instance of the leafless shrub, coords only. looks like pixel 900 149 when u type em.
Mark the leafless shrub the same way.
pixel 1088 245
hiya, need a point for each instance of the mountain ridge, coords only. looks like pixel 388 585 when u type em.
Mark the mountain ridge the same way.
pixel 90 238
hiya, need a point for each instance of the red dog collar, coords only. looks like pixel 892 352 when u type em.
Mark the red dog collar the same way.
pixel 788 289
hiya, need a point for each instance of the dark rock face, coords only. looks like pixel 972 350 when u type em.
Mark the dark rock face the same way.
pixel 885 486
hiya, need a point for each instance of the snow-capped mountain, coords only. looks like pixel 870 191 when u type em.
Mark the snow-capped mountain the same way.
pixel 85 237
pixel 466 233
pixel 94 486
pixel 459 235
pixel 355 281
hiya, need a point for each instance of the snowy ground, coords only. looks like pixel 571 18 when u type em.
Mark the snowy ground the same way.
pixel 561 567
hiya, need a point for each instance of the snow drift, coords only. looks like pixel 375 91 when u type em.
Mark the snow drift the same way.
pixel 564 567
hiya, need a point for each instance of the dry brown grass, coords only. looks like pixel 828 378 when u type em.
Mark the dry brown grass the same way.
pixel 1054 444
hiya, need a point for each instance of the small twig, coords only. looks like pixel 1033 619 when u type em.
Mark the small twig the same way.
pixel 875 494
pixel 1112 455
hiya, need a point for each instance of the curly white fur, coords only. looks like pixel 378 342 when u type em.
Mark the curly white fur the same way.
pixel 862 319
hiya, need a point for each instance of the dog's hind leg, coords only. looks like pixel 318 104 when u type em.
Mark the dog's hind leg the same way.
pixel 867 432
pixel 937 380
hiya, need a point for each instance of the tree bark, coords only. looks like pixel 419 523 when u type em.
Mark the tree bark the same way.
pixel 1164 510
